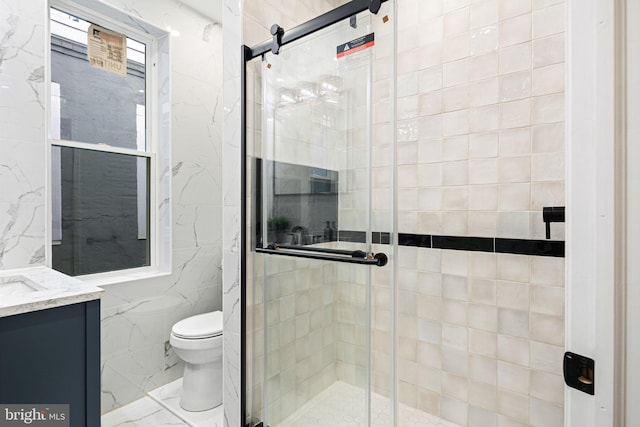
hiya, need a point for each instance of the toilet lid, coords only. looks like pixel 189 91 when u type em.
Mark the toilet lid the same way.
pixel 201 326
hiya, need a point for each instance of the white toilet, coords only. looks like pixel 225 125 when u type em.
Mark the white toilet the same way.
pixel 198 341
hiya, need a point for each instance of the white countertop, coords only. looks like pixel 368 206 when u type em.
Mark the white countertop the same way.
pixel 43 288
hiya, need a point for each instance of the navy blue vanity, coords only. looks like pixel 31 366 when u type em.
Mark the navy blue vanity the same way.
pixel 51 355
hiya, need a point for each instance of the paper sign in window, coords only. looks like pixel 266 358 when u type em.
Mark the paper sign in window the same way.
pixel 107 50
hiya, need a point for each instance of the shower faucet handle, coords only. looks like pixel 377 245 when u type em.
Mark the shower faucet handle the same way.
pixel 552 214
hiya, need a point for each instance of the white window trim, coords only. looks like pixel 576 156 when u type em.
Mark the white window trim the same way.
pixel 158 131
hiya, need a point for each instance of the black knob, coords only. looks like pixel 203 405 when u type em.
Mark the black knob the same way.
pixel 381 258
pixel 276 29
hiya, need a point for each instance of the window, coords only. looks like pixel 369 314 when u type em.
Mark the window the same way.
pixel 102 151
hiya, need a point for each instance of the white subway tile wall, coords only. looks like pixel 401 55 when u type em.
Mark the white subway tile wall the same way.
pixel 489 109
pixel 481 334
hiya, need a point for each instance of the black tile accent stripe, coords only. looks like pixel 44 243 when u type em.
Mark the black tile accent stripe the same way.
pixel 352 236
pixel 481 244
pixel 419 240
pixel 385 238
pixel 380 237
pixel 552 248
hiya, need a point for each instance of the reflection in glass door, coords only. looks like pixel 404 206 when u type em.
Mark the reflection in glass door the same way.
pixel 320 304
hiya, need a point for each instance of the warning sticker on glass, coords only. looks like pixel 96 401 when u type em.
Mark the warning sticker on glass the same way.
pixel 107 50
pixel 356 45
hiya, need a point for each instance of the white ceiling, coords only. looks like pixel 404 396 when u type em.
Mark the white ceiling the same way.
pixel 209 8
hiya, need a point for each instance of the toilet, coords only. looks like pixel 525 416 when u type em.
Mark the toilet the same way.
pixel 197 340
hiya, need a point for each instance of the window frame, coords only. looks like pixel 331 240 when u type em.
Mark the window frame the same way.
pixel 158 264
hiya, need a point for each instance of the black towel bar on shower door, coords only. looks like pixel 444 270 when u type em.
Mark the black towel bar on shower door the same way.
pixel 355 254
pixel 325 254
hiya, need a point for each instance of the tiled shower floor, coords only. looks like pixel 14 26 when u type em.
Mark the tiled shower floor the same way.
pixel 340 405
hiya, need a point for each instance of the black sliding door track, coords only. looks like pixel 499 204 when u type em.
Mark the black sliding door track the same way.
pixel 323 21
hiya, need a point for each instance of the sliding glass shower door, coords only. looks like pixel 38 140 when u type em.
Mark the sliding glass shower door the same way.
pixel 321 296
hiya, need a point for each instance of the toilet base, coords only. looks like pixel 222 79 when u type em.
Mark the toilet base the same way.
pixel 201 387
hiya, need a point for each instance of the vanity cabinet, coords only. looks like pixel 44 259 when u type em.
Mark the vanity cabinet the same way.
pixel 52 356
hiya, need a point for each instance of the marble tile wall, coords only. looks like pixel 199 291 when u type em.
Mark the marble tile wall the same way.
pixel 232 381
pixel 136 316
pixel 22 120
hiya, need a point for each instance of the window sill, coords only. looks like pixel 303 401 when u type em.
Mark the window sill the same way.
pixel 119 277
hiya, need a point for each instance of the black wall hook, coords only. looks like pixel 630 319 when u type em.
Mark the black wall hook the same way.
pixel 277 32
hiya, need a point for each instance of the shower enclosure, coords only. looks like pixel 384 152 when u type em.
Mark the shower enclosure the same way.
pixel 319 241
pixel 465 319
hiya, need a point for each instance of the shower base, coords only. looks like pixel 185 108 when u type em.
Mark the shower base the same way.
pixel 340 405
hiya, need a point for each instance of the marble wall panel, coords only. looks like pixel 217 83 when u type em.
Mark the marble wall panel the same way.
pixel 22 120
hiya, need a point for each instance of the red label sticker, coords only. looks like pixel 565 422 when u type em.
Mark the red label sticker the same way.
pixel 356 45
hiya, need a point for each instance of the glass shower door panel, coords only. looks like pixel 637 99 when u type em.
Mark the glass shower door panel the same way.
pixel 316 139
pixel 315 184
pixel 316 344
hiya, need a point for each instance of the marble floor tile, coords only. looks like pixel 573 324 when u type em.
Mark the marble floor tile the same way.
pixel 144 412
pixel 169 397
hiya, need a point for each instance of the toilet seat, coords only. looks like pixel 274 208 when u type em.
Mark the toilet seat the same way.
pixel 202 326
